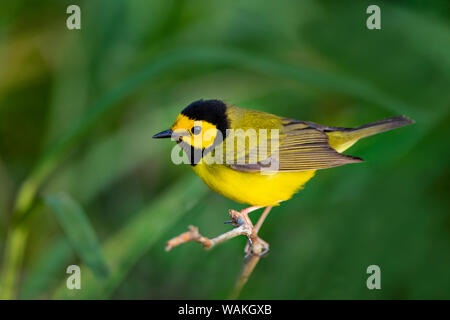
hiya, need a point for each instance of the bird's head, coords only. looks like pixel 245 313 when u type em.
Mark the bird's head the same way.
pixel 199 124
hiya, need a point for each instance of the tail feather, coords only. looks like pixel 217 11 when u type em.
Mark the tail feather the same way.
pixel 343 138
pixel 379 126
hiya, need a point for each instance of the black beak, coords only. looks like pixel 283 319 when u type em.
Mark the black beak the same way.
pixel 163 134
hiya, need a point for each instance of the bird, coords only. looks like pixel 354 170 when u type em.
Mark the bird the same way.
pixel 290 151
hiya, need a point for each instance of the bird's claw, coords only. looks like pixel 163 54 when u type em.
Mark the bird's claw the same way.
pixel 258 248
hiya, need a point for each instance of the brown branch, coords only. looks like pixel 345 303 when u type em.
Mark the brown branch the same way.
pixel 237 219
pixel 247 269
pixel 191 235
pixel 255 248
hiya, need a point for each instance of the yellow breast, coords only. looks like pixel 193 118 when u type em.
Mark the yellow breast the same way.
pixel 252 188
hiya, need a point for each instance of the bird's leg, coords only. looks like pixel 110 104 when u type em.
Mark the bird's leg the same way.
pixel 258 246
pixel 245 216
pixel 261 219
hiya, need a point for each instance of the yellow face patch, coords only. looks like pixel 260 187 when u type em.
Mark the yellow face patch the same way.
pixel 197 133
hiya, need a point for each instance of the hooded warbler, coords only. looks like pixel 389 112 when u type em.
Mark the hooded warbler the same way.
pixel 292 150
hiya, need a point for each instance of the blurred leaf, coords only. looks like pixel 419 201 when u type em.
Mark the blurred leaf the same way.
pixel 79 231
pixel 128 245
pixel 414 67
pixel 42 277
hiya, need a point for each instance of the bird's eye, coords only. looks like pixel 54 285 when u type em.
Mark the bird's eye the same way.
pixel 196 130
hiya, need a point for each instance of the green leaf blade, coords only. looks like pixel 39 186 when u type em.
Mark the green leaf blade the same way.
pixel 79 231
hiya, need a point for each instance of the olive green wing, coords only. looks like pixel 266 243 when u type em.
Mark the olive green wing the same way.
pixel 300 146
pixel 247 144
pixel 305 146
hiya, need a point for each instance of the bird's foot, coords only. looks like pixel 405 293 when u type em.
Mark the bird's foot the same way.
pixel 257 247
pixel 243 226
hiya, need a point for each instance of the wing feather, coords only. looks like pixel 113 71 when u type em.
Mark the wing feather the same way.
pixel 302 146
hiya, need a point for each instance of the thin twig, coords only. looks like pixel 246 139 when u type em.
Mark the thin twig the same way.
pixel 237 219
pixel 247 269
pixel 255 251
pixel 255 248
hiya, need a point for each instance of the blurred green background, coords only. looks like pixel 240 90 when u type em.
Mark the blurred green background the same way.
pixel 82 182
